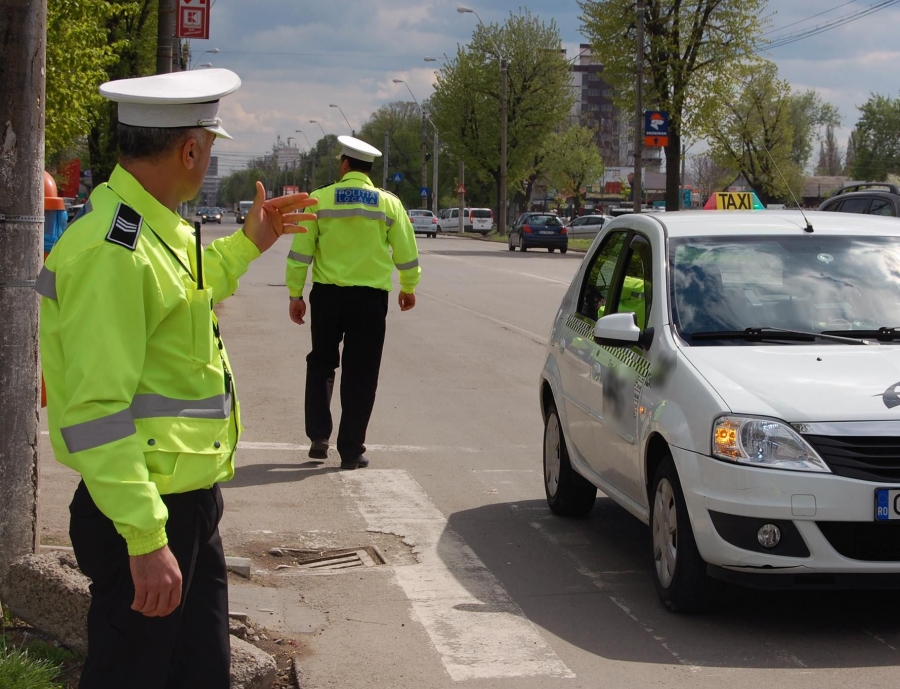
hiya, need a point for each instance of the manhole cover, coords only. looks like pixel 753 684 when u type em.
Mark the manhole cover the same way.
pixel 327 561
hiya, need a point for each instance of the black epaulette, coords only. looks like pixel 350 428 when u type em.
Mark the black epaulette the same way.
pixel 389 193
pixel 330 184
pixel 126 227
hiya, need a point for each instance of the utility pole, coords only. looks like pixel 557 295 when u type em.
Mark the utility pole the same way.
pixel 165 34
pixel 424 161
pixel 637 185
pixel 681 195
pixel 462 196
pixel 22 92
pixel 504 98
pixel 384 160
pixel 434 175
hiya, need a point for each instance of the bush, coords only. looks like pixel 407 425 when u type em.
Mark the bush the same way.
pixel 19 669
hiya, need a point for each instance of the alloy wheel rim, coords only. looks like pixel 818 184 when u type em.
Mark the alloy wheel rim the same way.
pixel 665 533
pixel 552 447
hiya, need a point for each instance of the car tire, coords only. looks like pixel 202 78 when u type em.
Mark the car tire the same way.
pixel 563 249
pixel 550 250
pixel 511 247
pixel 568 493
pixel 679 571
pixel 522 246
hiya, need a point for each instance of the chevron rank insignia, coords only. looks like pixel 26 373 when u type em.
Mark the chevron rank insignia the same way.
pixel 126 227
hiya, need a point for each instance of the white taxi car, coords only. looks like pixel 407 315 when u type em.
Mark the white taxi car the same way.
pixel 733 380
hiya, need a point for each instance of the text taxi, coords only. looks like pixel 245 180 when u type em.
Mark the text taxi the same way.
pixel 733 380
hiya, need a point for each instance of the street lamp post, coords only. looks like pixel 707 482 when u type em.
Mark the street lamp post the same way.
pixel 330 162
pixel 312 155
pixel 214 51
pixel 424 145
pixel 504 98
pixel 352 130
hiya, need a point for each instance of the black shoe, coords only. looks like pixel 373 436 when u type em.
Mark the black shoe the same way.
pixel 318 449
pixel 359 463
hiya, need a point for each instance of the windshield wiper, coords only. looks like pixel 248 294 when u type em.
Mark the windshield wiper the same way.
pixel 882 334
pixel 769 333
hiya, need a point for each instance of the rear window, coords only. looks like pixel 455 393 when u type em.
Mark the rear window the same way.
pixel 420 214
pixel 548 220
pixel 481 213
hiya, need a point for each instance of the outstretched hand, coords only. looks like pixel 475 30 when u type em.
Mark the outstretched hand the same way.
pixel 268 220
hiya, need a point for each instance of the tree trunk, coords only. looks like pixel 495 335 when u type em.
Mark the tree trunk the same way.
pixel 673 170
pixel 22 91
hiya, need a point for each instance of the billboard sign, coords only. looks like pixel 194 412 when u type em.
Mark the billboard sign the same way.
pixel 193 19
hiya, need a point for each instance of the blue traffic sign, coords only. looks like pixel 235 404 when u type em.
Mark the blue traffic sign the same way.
pixel 656 123
pixel 423 192
pixel 397 178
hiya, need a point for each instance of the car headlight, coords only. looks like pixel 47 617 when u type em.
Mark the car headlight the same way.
pixel 764 443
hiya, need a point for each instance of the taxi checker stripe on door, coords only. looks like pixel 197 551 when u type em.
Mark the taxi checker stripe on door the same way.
pixel 623 354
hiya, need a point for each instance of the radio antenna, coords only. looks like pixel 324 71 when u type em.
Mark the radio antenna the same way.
pixel 809 227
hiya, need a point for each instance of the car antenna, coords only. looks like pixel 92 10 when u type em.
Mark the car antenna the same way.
pixel 809 227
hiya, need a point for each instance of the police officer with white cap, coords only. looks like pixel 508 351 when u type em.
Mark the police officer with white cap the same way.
pixel 360 235
pixel 141 398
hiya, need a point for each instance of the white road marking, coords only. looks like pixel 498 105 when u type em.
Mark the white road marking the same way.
pixel 540 339
pixel 292 447
pixel 499 270
pixel 478 630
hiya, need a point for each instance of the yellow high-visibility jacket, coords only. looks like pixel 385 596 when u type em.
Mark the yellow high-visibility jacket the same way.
pixel 140 398
pixel 361 235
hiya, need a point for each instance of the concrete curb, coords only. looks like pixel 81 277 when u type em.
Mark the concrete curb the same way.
pixel 50 593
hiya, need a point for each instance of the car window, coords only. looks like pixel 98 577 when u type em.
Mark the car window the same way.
pixel 599 277
pixel 855 205
pixel 576 223
pixel 454 213
pixel 482 214
pixel 881 207
pixel 634 297
pixel 548 220
pixel 420 214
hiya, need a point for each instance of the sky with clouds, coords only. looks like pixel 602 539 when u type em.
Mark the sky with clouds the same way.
pixel 297 58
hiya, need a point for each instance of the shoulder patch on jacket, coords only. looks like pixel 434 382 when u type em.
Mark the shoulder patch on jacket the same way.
pixel 126 227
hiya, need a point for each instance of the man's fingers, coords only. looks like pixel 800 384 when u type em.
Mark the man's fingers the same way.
pixel 284 203
pixel 260 193
pixel 151 604
pixel 293 229
pixel 174 599
pixel 140 600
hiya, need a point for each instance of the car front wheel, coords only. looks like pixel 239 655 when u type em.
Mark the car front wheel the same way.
pixel 679 571
pixel 569 494
pixel 522 246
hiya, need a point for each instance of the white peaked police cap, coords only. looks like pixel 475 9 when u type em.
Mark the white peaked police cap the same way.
pixel 179 99
pixel 360 150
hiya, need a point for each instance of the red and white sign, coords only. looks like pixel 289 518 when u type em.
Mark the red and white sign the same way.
pixel 290 190
pixel 460 189
pixel 193 19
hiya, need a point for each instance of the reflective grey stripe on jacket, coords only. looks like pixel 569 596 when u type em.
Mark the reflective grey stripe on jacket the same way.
pixel 300 258
pixel 109 429
pixel 407 266
pixel 45 285
pixel 355 213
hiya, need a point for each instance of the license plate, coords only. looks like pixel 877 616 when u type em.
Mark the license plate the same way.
pixel 546 232
pixel 887 504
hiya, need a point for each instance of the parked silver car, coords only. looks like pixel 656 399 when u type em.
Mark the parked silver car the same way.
pixel 587 226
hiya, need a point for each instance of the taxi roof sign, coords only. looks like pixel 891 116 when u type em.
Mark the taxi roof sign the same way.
pixel 734 201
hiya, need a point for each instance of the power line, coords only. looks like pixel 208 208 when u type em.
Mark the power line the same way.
pixel 806 19
pixel 828 26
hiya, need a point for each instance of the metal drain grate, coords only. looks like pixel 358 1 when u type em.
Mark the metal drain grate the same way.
pixel 330 560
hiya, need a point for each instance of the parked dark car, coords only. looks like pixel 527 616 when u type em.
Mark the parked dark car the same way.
pixel 868 198
pixel 539 230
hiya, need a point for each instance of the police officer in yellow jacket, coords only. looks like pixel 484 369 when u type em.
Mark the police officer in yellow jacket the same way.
pixel 141 399
pixel 362 233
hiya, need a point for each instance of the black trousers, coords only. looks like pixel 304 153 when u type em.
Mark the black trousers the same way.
pixel 357 316
pixel 187 649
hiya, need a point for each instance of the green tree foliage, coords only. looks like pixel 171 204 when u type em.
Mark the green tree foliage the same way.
pixel 692 51
pixel 572 162
pixel 808 115
pixel 466 101
pixel 131 31
pixel 830 162
pixel 755 136
pixel 78 55
pixel 877 145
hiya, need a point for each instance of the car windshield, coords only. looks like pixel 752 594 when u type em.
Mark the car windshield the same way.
pixel 839 284
pixel 547 220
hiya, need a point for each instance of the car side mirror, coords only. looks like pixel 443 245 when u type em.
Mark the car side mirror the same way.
pixel 621 330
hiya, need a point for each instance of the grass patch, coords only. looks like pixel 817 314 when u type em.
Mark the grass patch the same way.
pixel 580 244
pixel 20 669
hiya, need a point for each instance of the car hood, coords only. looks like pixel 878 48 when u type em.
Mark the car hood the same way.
pixel 805 383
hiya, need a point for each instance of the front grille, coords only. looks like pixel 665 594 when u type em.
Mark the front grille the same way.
pixel 868 541
pixel 862 457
